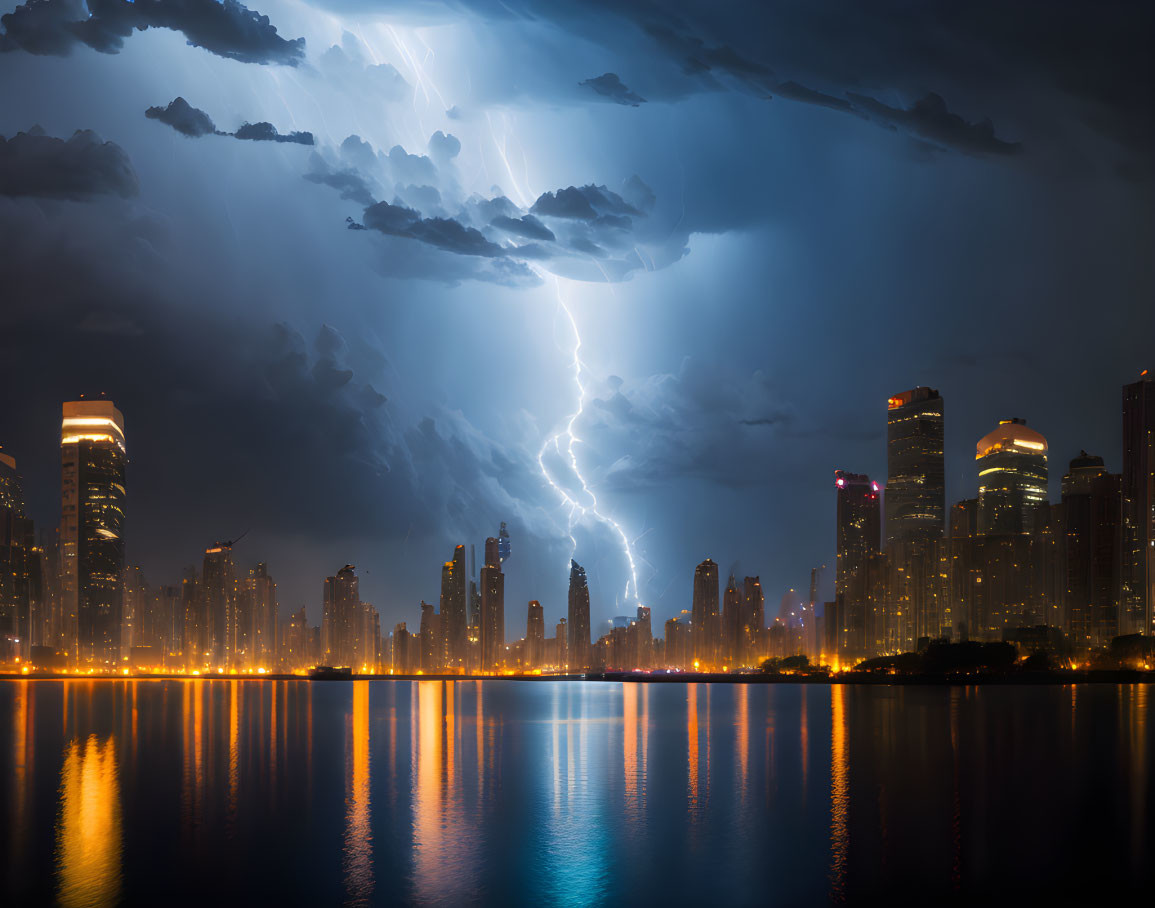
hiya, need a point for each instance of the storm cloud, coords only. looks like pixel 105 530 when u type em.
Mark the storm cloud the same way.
pixel 77 169
pixel 227 29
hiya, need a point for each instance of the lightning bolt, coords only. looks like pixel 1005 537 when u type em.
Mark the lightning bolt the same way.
pixel 564 442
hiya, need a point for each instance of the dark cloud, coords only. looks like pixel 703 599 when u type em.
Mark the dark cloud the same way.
pixel 78 169
pixel 585 203
pixel 183 117
pixel 226 29
pixel 350 183
pixel 444 147
pixel 444 233
pixel 609 85
pixel 267 132
pixel 930 119
pixel 529 227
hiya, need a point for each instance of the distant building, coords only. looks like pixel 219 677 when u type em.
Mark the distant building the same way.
pixel 915 481
pixel 1092 517
pixel 534 635
pixel 341 619
pixel 454 612
pixel 432 639
pixel 20 592
pixel 218 593
pixel 1012 466
pixel 858 528
pixel 93 456
pixel 754 619
pixel 492 608
pixel 732 631
pixel 561 644
pixel 705 626
pixel 1137 609
pixel 579 618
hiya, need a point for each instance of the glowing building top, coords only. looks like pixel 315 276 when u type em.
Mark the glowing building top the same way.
pixel 1013 436
pixel 1012 461
pixel 92 420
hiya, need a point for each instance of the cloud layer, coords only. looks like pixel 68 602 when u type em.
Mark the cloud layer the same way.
pixel 76 169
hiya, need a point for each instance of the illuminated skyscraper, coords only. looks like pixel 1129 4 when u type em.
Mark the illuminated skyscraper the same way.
pixel 341 619
pixel 704 626
pixel 534 635
pixel 92 454
pixel 754 618
pixel 858 528
pixel 915 484
pixel 1091 513
pixel 218 593
pixel 18 565
pixel 453 610
pixel 731 649
pixel 1137 608
pixel 432 645
pixel 578 625
pixel 1012 465
pixel 503 544
pixel 260 631
pixel 492 608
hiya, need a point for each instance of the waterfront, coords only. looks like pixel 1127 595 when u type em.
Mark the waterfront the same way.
pixel 544 792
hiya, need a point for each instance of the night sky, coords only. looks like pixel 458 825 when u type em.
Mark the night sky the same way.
pixel 328 287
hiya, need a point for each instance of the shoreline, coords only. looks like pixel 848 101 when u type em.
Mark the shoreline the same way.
pixel 1113 676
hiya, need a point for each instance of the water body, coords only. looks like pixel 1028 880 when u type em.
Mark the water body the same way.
pixel 555 793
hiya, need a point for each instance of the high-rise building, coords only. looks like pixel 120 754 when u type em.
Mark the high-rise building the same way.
pixel 503 544
pixel 295 652
pixel 432 645
pixel 915 483
pixel 260 627
pixel 858 528
pixel 731 649
pixel 754 618
pixel 578 649
pixel 92 455
pixel 1012 465
pixel 1092 515
pixel 534 635
pixel 704 626
pixel 341 619
pixel 645 638
pixel 19 566
pixel 1137 609
pixel 453 610
pixel 561 644
pixel 492 608
pixel 218 595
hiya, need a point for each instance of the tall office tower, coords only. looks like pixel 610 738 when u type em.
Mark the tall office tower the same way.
pixel 432 648
pixel 92 458
pixel 730 650
pixel 534 635
pixel 704 621
pixel 645 634
pixel 492 608
pixel 1137 609
pixel 453 610
pixel 134 617
pixel 18 566
pixel 1048 568
pixel 218 595
pixel 197 643
pixel 915 484
pixel 753 618
pixel 1012 465
pixel 401 659
pixel 578 643
pixel 1092 513
pixel 503 544
pixel 561 641
pixel 295 652
pixel 341 619
pixel 260 629
pixel 858 528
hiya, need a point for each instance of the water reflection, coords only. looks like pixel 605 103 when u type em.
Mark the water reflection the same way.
pixel 502 792
pixel 358 864
pixel 88 832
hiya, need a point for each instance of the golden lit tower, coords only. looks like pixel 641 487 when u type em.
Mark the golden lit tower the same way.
pixel 1012 463
pixel 93 456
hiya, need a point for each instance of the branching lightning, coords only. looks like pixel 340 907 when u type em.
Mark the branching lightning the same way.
pixel 564 442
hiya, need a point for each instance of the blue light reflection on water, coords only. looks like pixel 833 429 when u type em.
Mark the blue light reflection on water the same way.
pixel 560 793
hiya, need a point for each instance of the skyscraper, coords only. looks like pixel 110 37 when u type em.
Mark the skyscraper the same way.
pixel 341 619
pixel 731 650
pixel 492 608
pixel 1137 609
pixel 218 593
pixel 858 528
pixel 534 635
pixel 754 618
pixel 1012 464
pixel 92 454
pixel 432 646
pixel 704 623
pixel 453 610
pixel 18 566
pixel 1091 513
pixel 915 484
pixel 578 649
pixel 261 628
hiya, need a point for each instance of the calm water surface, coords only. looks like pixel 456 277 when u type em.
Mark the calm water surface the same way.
pixel 505 793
